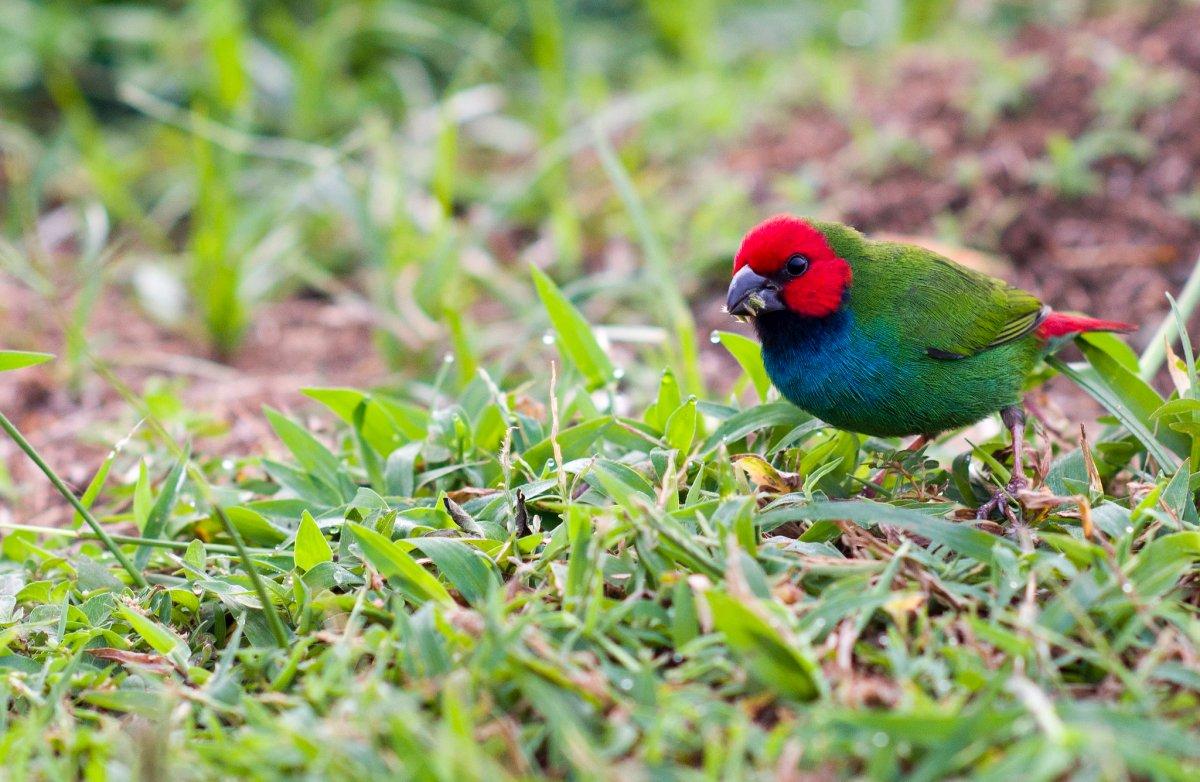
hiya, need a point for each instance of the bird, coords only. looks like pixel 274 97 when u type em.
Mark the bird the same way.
pixel 892 340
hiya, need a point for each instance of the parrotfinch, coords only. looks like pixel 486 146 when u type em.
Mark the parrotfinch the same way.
pixel 891 339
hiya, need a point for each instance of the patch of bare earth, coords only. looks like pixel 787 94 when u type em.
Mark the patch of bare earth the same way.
pixel 291 345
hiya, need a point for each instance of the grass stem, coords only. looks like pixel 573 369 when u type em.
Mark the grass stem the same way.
pixel 102 535
pixel 135 540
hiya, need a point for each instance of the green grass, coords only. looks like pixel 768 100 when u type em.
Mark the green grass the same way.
pixel 470 590
pixel 548 548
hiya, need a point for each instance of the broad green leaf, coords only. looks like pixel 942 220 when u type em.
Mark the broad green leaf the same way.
pixel 94 487
pixel 311 547
pixel 146 702
pixel 369 456
pixel 19 359
pixel 574 336
pixel 1177 407
pixel 619 481
pixel 158 637
pixel 1180 415
pixel 1178 496
pixel 393 562
pixel 767 416
pixel 579 560
pixel 195 554
pixel 1081 552
pixel 310 453
pixel 91 575
pixel 143 497
pixel 748 354
pixel 308 487
pixel 387 423
pixel 1136 394
pixel 1159 566
pixel 778 663
pixel 1115 347
pixel 464 566
pixel 575 442
pixel 668 399
pixel 680 429
pixel 254 527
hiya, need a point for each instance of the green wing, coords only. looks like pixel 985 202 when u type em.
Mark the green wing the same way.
pixel 954 312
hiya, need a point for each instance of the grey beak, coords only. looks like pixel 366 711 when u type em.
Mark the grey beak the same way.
pixel 749 295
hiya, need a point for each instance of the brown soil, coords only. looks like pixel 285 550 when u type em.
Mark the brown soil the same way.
pixel 291 345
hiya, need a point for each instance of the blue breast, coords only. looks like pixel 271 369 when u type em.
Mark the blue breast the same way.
pixel 829 366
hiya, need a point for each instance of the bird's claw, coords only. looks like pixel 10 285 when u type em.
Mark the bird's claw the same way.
pixel 999 499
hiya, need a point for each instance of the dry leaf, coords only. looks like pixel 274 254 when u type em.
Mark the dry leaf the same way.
pixel 904 603
pixel 468 493
pixel 521 516
pixel 463 519
pixel 1088 461
pixel 530 407
pixel 764 476
pixel 154 662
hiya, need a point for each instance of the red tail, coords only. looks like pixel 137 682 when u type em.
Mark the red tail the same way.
pixel 1058 324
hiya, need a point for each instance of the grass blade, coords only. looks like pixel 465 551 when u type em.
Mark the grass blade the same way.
pixel 575 337
pixel 19 359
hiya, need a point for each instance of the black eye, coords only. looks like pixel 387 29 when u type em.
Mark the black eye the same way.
pixel 796 265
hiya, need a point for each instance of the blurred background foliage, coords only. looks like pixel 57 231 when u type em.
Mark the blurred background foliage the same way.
pixel 407 157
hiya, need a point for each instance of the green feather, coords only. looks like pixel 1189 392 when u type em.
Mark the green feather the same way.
pixel 948 310
pixel 941 345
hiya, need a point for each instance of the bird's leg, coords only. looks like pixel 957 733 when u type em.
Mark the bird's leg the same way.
pixel 1013 417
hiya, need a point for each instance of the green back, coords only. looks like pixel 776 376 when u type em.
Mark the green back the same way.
pixel 929 301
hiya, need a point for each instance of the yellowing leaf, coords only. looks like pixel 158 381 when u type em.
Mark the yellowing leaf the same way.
pixel 764 476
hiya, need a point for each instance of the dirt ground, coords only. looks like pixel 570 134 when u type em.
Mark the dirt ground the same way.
pixel 1112 253
pixel 291 345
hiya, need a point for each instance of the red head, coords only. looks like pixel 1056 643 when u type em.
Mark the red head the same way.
pixel 786 263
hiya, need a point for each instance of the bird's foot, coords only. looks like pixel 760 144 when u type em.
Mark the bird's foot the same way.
pixel 1001 497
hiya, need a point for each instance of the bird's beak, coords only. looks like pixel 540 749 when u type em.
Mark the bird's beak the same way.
pixel 750 295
